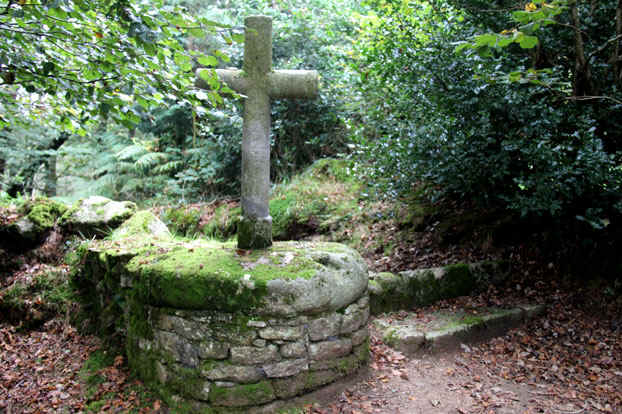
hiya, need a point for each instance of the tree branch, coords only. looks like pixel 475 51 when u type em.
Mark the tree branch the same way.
pixel 591 98
pixel 604 45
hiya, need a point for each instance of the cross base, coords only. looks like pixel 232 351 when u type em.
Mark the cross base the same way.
pixel 254 233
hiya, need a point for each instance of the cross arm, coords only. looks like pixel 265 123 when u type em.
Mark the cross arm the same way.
pixel 233 78
pixel 293 84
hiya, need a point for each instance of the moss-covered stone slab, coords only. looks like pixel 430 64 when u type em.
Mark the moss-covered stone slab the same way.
pixel 289 278
pixel 32 223
pixel 96 216
pixel 421 287
pixel 443 331
pixel 242 395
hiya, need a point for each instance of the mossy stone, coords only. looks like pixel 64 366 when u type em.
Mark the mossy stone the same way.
pixel 96 216
pixel 420 287
pixel 44 213
pixel 254 233
pixel 242 395
pixel 38 217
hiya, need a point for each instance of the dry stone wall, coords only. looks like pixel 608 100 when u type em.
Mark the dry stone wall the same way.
pixel 211 360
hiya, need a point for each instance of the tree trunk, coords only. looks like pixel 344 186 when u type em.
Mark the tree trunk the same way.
pixel 582 83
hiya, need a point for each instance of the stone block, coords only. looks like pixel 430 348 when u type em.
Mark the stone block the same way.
pixel 344 365
pixel 284 333
pixel 242 395
pixel 294 350
pixel 209 349
pixel 322 328
pixel 249 355
pixel 358 337
pixel 224 371
pixel 225 384
pixel 363 302
pixel 256 324
pixel 183 327
pixel 260 343
pixel 286 368
pixel 180 349
pixel 407 339
pixel 353 318
pixel 306 381
pixel 330 349
pixel 233 334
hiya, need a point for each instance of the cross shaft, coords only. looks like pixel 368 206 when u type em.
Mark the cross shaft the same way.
pixel 257 83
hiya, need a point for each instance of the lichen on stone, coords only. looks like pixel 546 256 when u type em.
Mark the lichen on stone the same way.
pixel 96 216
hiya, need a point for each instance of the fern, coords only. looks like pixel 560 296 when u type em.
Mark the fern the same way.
pixel 130 152
pixel 149 160
pixel 168 167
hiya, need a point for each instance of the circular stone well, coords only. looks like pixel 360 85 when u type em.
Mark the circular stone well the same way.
pixel 216 329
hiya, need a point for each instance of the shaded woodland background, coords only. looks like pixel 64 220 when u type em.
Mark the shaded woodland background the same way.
pixel 508 111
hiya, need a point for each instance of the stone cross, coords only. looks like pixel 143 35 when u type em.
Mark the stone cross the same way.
pixel 257 83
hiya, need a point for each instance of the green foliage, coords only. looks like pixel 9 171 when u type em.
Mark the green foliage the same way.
pixel 182 153
pixel 27 155
pixel 305 35
pixel 76 60
pixel 455 129
pixel 110 163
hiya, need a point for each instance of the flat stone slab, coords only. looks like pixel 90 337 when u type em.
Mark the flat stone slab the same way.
pixel 96 216
pixel 444 331
pixel 421 287
pixel 290 278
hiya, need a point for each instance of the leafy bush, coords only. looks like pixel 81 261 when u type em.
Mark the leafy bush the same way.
pixel 452 125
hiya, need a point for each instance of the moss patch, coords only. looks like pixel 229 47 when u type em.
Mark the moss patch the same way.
pixel 44 212
pixel 216 220
pixel 213 275
pixel 315 201
pixel 184 221
pixel 242 395
pixel 319 200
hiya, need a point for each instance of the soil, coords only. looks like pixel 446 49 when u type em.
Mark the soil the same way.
pixel 567 361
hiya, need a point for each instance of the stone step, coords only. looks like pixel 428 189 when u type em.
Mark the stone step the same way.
pixel 443 331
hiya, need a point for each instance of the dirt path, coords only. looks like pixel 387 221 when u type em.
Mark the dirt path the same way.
pixel 568 361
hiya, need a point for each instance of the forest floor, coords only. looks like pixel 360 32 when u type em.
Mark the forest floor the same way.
pixel 567 361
